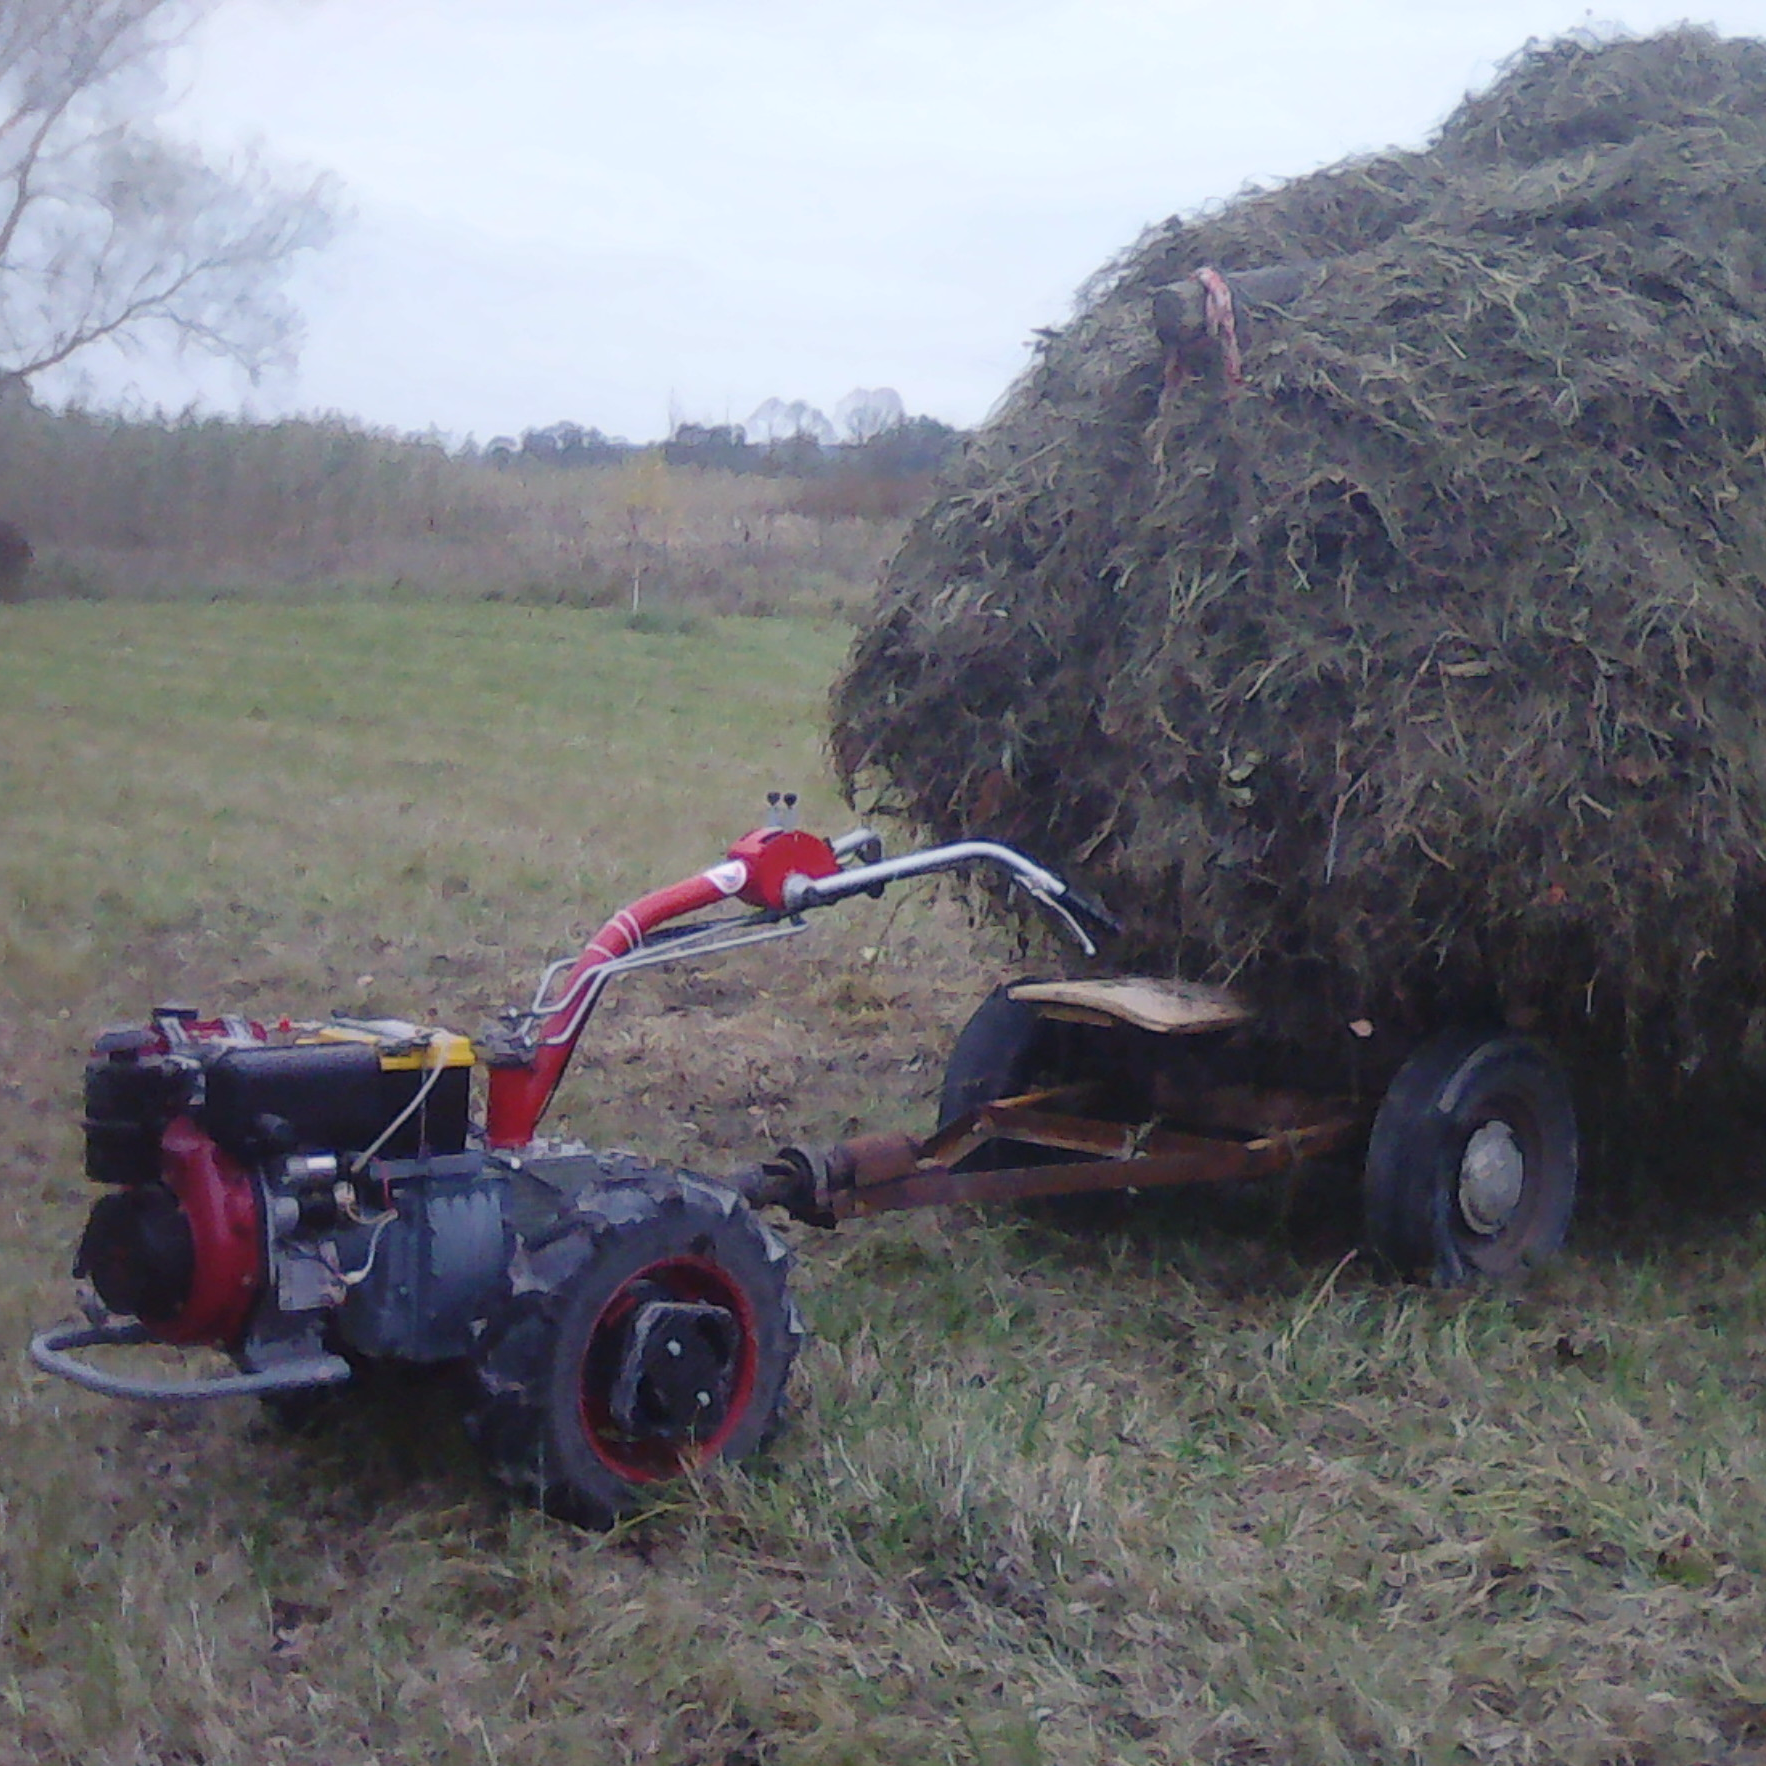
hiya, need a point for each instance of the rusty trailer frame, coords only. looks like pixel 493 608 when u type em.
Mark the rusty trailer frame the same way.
pixel 1242 1134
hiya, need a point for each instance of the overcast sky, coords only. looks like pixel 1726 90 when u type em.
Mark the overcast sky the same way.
pixel 623 211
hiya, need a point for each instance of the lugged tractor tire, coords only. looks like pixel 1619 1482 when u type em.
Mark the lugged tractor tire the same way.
pixel 305 1415
pixel 649 1330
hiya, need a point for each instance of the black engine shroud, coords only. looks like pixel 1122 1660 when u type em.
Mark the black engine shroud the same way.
pixel 261 1100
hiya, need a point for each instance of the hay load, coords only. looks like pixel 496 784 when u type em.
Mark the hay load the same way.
pixel 1366 592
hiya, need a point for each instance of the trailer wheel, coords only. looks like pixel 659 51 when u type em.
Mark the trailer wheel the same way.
pixel 651 1331
pixel 1008 1047
pixel 1471 1167
pixel 1004 1049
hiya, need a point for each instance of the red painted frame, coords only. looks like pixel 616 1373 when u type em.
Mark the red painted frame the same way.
pixel 755 872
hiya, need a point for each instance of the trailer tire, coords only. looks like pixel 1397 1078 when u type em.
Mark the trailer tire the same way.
pixel 993 1054
pixel 650 1331
pixel 1001 1051
pixel 1471 1166
pixel 1008 1047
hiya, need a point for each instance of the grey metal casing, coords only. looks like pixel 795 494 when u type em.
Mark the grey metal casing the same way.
pixel 440 1268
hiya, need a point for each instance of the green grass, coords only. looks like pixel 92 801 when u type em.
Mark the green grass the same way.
pixel 1167 1490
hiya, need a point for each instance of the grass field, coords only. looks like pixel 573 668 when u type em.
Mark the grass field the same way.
pixel 1186 1487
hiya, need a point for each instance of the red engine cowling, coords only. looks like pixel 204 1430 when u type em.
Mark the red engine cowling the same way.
pixel 178 1242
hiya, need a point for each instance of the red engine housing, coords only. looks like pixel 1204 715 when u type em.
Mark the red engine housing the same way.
pixel 178 1239
pixel 220 1203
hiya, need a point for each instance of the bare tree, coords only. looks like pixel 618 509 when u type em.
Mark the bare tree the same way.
pixel 111 231
pixel 870 411
pixel 776 421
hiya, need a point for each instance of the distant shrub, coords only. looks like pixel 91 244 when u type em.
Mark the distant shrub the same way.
pixel 886 477
pixel 665 622
pixel 15 560
pixel 855 496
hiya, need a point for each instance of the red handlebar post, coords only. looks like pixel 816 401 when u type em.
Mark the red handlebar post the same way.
pixel 755 871
pixel 773 854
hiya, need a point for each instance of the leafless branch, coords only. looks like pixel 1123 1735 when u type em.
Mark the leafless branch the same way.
pixel 111 232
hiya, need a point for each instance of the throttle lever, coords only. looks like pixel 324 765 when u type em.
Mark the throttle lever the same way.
pixel 1088 907
pixel 1058 908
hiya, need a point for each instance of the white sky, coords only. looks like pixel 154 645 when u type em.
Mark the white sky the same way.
pixel 617 210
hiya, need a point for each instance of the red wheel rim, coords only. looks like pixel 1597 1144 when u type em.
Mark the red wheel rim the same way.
pixel 692 1279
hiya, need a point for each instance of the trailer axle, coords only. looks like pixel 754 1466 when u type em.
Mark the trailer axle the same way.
pixel 881 1173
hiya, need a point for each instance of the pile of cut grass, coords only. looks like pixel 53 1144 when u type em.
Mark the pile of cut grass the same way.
pixel 1419 677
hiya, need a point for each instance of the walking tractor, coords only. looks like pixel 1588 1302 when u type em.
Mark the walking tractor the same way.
pixel 313 1199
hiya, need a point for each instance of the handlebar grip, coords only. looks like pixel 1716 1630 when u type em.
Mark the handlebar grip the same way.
pixel 1088 907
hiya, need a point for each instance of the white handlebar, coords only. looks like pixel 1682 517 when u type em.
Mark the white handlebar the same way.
pixel 801 893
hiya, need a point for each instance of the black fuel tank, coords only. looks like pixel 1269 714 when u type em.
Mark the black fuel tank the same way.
pixel 327 1097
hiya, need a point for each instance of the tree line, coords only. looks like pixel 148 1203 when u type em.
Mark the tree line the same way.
pixel 913 448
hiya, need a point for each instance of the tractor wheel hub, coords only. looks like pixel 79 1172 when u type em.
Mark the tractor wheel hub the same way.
pixel 675 1373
